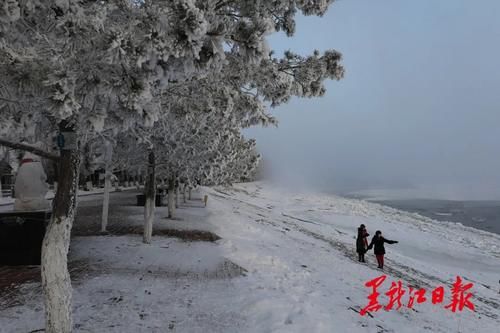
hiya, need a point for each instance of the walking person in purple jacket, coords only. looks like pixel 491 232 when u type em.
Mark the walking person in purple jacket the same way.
pixel 362 243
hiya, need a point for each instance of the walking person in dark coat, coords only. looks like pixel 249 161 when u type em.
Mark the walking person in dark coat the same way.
pixel 378 242
pixel 362 243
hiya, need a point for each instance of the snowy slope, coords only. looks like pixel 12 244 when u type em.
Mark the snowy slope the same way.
pixel 301 270
pixel 274 233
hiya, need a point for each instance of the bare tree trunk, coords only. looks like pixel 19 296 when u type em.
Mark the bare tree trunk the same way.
pixel 177 196
pixel 56 282
pixel 184 193
pixel 150 194
pixel 189 198
pixel 171 197
pixel 107 186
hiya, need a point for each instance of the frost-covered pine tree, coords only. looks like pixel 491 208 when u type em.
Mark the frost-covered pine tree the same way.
pixel 80 67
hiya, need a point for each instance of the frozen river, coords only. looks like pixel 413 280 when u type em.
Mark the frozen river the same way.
pixel 484 215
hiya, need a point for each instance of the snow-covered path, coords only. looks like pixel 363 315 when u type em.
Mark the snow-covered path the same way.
pixel 123 285
pixel 300 270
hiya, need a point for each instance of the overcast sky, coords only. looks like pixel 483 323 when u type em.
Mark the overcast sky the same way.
pixel 419 105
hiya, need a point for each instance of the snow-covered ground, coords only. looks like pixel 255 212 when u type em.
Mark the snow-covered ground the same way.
pixel 299 271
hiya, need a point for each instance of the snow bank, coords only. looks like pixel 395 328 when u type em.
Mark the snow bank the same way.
pixel 302 249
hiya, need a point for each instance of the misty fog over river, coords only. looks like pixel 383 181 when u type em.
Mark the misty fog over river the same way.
pixel 417 111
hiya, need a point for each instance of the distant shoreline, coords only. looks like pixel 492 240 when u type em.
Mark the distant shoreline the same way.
pixel 483 215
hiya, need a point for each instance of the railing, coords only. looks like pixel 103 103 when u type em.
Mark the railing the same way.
pixel 6 190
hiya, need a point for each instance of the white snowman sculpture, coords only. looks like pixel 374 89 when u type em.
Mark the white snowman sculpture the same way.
pixel 30 187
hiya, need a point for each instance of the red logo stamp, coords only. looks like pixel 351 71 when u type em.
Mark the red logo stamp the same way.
pixel 460 296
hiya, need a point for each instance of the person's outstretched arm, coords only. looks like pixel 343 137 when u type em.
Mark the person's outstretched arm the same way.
pixel 388 241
